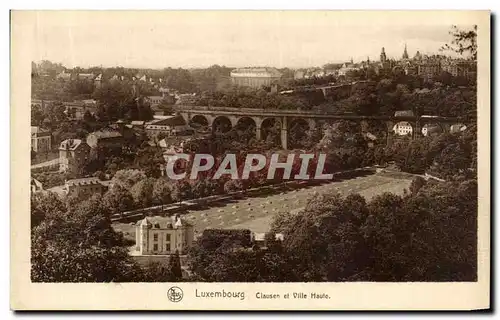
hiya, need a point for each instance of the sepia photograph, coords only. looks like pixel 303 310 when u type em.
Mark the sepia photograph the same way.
pixel 200 148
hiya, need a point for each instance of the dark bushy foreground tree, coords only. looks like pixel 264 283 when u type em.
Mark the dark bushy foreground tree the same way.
pixel 445 156
pixel 79 245
pixel 229 256
pixel 428 235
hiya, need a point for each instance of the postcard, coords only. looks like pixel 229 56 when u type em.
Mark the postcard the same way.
pixel 250 160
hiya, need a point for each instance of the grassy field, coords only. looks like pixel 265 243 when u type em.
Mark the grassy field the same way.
pixel 256 213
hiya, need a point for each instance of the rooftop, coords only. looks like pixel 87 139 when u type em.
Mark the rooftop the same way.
pixel 457 128
pixel 83 181
pixel 107 134
pixel 169 121
pixel 261 71
pixel 155 223
pixel 38 130
pixel 137 123
pixel 36 183
pixel 403 124
pixel 70 144
pixel 404 113
pixel 261 236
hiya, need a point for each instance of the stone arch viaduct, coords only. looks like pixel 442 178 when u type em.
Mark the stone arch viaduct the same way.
pixel 232 116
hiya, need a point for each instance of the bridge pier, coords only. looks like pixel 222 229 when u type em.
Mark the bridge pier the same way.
pixel 417 130
pixel 312 124
pixel 284 133
pixel 258 132
pixel 314 119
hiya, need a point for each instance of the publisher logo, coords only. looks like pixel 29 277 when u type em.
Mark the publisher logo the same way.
pixel 175 294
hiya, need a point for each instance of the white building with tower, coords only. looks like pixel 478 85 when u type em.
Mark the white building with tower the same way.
pixel 403 128
pixel 155 238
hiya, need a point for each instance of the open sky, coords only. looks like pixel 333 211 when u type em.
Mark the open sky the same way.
pixel 158 39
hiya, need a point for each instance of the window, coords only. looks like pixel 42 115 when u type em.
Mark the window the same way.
pixel 155 237
pixel 167 242
pixel 155 247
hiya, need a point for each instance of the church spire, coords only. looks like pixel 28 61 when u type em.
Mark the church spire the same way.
pixel 405 53
pixel 383 58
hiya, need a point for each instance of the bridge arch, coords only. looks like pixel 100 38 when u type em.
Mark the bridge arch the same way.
pixel 246 126
pixel 245 122
pixel 221 124
pixel 198 121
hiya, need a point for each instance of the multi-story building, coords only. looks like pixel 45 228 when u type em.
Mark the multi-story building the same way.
pixel 98 80
pixel 40 140
pixel 255 77
pixel 169 126
pixel 429 68
pixel 460 67
pixel 85 76
pixel 41 103
pixel 65 76
pixel 153 238
pixel 403 128
pixel 154 100
pixel 430 129
pixel 75 110
pixel 83 188
pixel 299 74
pixel 348 67
pixel 458 127
pixel 36 185
pixel 73 154
pixel 185 99
pixel 105 138
pixel 383 64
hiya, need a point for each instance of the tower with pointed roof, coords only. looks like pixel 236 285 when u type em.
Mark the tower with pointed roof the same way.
pixel 142 236
pixel 405 53
pixel 383 57
pixel 418 56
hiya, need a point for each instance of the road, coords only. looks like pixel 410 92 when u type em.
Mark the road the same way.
pixel 49 163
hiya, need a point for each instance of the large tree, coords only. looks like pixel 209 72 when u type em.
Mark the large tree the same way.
pixel 118 199
pixel 142 192
pixel 162 191
pixel 464 41
pixel 80 246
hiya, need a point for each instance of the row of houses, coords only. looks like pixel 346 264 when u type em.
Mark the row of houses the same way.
pixel 404 128
pixel 80 188
pixel 426 66
pixel 100 77
pixel 73 153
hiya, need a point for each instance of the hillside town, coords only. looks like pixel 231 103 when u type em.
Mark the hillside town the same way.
pixel 398 132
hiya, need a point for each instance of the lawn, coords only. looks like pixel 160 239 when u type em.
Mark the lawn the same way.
pixel 256 213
